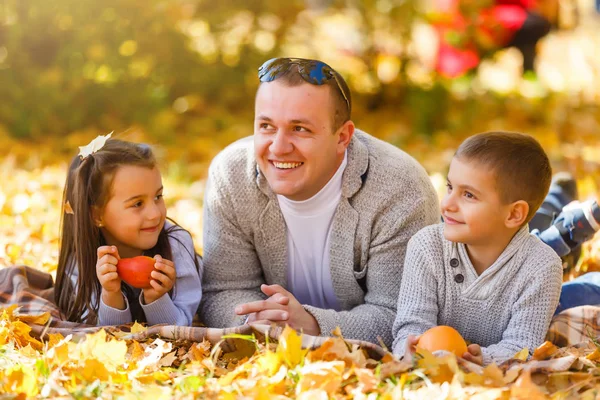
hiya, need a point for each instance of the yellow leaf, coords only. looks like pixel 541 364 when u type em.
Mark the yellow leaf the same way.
pixel 268 362
pixel 94 369
pixel 290 347
pixel 525 389
pixel 41 319
pixel 522 355
pixel 137 328
pixel 20 332
pixel 544 351
pixel 137 352
pixel 594 356
pixel 21 379
pixel 54 339
pixel 323 375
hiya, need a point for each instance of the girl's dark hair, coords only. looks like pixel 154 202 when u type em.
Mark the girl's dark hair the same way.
pixel 88 186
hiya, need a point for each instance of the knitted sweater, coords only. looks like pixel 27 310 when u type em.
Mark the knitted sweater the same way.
pixel 386 198
pixel 505 309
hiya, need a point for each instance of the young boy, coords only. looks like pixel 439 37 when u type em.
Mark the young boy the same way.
pixel 481 271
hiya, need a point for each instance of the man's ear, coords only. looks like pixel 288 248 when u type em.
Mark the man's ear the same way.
pixel 345 133
pixel 517 214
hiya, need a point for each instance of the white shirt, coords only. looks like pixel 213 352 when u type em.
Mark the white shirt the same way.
pixel 308 229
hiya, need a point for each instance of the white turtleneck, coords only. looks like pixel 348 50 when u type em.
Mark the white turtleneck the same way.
pixel 308 230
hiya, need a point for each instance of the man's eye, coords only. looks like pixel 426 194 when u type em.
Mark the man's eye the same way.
pixel 264 126
pixel 300 129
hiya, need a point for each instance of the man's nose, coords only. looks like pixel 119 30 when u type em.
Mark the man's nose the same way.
pixel 281 143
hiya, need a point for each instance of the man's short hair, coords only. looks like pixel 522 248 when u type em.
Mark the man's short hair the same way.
pixel 520 165
pixel 342 109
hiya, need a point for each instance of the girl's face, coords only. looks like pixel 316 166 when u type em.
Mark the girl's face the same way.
pixel 135 212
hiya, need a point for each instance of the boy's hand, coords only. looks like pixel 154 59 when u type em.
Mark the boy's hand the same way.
pixel 474 354
pixel 163 279
pixel 106 269
pixel 411 347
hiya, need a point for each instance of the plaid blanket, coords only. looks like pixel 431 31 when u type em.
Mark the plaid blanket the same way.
pixel 574 326
pixel 33 291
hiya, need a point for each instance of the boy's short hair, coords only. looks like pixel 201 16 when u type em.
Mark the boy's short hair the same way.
pixel 521 166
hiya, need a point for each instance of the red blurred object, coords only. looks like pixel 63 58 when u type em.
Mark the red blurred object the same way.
pixel 481 29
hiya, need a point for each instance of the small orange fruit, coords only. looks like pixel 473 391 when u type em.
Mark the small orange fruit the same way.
pixel 136 271
pixel 443 338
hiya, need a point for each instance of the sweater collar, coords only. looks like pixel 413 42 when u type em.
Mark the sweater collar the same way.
pixel 516 243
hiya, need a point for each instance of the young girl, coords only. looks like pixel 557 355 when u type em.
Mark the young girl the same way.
pixel 113 208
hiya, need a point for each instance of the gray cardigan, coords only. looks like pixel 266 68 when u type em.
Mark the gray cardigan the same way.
pixel 505 309
pixel 386 198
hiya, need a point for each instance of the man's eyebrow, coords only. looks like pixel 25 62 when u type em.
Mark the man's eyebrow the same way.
pixel 264 118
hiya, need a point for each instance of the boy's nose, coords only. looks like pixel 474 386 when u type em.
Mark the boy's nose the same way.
pixel 448 203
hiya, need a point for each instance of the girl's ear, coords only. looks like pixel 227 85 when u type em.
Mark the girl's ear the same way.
pixel 97 216
pixel 517 215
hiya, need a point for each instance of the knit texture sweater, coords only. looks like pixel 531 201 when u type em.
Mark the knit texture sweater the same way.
pixel 505 309
pixel 386 198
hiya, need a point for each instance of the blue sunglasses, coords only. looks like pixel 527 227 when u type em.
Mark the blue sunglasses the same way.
pixel 312 71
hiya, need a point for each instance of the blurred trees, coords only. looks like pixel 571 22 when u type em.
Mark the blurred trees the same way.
pixel 183 73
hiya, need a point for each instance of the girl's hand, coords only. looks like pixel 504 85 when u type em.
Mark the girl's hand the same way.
pixel 474 354
pixel 106 269
pixel 163 279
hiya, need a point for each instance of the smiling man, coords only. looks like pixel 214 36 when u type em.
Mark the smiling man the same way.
pixel 306 223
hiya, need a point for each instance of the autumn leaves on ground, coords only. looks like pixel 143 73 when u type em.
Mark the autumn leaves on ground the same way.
pixel 107 364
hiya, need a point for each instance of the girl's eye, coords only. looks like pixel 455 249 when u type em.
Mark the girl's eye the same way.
pixel 469 195
pixel 448 186
pixel 158 197
pixel 138 204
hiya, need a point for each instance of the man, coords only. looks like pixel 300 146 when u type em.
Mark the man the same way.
pixel 307 224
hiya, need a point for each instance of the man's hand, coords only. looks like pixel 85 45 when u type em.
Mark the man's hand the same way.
pixel 280 308
pixel 474 354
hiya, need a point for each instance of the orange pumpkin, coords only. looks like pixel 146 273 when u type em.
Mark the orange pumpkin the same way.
pixel 136 271
pixel 443 338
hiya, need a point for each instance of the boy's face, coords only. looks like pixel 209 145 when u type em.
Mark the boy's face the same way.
pixel 472 209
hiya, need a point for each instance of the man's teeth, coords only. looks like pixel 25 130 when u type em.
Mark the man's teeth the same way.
pixel 286 165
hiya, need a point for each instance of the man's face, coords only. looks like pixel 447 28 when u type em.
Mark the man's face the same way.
pixel 294 140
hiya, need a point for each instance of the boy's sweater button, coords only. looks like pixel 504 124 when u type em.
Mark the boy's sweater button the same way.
pixel 459 278
pixel 454 262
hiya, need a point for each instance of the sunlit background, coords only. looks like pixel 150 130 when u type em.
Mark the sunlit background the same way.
pixel 182 74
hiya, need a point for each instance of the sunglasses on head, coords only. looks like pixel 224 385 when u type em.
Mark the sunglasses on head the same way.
pixel 312 71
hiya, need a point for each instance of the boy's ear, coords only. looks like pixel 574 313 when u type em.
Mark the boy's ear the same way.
pixel 517 215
